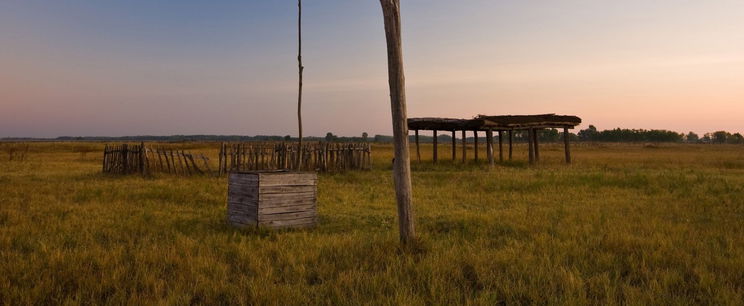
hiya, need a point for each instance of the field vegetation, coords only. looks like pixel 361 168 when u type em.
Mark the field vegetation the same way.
pixel 625 224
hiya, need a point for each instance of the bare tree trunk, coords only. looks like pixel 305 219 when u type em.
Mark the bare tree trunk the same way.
pixel 300 69
pixel 396 79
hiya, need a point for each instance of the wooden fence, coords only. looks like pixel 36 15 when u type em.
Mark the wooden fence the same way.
pixel 324 157
pixel 124 159
pixel 139 159
pixel 177 162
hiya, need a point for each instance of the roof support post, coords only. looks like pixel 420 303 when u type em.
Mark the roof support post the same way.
pixel 530 146
pixel 454 145
pixel 536 134
pixel 566 144
pixel 475 144
pixel 489 146
pixel 501 146
pixel 511 143
pixel 418 150
pixel 464 147
pixel 435 156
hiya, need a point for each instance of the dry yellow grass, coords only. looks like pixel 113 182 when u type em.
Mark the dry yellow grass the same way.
pixel 626 224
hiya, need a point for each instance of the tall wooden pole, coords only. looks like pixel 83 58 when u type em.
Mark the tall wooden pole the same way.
pixel 299 95
pixel 396 80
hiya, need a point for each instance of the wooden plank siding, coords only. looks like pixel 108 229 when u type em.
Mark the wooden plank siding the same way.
pixel 274 199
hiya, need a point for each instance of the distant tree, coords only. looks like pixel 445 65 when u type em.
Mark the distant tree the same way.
pixel 629 135
pixel 692 137
pixel 550 135
pixel 330 137
pixel 720 137
pixel 287 138
pixel 364 136
pixel 383 138
pixel 706 138
pixel 736 138
pixel 588 134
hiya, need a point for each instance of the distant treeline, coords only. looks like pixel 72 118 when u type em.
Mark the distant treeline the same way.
pixel 592 134
pixel 547 135
pixel 636 135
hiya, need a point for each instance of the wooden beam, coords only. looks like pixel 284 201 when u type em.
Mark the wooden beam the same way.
pixel 464 147
pixel 396 80
pixel 489 147
pixel 475 144
pixel 530 146
pixel 501 146
pixel 435 156
pixel 454 145
pixel 418 150
pixel 566 145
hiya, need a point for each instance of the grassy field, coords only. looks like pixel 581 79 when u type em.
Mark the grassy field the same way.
pixel 625 224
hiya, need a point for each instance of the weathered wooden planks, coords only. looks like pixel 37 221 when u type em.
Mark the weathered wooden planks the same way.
pixel 125 159
pixel 275 199
pixel 140 159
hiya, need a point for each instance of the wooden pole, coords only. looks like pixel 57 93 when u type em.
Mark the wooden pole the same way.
pixel 475 144
pixel 511 144
pixel 530 146
pixel 464 147
pixel 454 145
pixel 535 134
pixel 396 80
pixel 489 147
pixel 418 150
pixel 566 145
pixel 501 146
pixel 435 155
pixel 300 70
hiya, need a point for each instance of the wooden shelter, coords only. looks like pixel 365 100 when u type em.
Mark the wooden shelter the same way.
pixel 500 124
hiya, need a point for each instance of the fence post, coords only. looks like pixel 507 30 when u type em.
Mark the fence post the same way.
pixel 124 162
pixel 142 159
pixel 105 153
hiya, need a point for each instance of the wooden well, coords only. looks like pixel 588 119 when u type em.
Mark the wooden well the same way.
pixel 275 199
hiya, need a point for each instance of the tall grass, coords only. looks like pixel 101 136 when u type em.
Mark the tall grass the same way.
pixel 625 224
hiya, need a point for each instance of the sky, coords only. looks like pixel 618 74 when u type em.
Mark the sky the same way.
pixel 157 67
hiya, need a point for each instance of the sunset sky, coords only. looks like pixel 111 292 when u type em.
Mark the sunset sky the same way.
pixel 155 67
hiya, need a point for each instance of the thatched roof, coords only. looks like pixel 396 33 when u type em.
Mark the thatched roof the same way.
pixel 527 121
pixel 443 124
pixel 483 122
